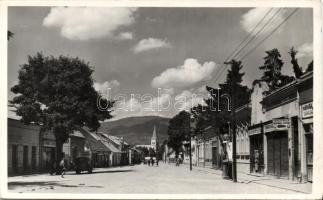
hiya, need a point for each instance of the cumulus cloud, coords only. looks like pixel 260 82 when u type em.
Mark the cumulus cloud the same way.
pixel 144 105
pixel 305 50
pixel 188 74
pixel 125 36
pixel 106 87
pixel 250 19
pixel 166 103
pixel 187 100
pixel 84 23
pixel 150 43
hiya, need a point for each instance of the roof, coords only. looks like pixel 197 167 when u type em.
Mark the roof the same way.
pixel 108 143
pixel 117 140
pixel 77 134
pixel 95 141
pixel 17 123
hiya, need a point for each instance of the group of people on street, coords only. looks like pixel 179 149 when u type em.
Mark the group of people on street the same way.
pixel 152 162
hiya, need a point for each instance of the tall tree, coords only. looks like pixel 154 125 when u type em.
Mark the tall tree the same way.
pixel 298 71
pixel 58 94
pixel 9 35
pixel 310 67
pixel 178 130
pixel 272 70
pixel 233 84
pixel 217 111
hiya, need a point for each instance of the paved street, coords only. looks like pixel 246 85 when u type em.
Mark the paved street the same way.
pixel 138 179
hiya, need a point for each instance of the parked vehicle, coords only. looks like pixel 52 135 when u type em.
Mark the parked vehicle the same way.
pixel 83 164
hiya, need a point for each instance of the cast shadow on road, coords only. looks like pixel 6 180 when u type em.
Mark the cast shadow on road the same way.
pixel 50 184
pixel 102 172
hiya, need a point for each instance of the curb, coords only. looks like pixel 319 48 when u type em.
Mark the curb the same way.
pixel 245 181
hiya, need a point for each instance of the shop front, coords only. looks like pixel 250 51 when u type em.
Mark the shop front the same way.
pixel 256 149
pixel 48 154
pixel 276 132
pixel 305 89
pixel 307 119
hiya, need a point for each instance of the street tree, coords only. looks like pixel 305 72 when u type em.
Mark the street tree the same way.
pixel 9 35
pixel 179 131
pixel 310 67
pixel 144 150
pixel 217 112
pixel 272 70
pixel 298 71
pixel 58 94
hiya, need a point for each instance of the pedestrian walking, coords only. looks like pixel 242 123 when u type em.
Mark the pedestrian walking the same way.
pixel 148 162
pixel 177 161
pixel 52 166
pixel 62 166
pixel 157 162
pixel 152 162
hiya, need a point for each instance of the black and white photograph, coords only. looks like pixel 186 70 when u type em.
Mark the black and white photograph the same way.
pixel 161 101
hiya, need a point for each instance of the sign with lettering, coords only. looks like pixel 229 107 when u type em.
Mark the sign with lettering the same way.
pixel 307 110
pixel 277 125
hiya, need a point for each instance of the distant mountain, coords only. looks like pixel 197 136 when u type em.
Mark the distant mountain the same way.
pixel 137 130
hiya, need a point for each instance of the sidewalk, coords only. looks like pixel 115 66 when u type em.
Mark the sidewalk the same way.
pixel 262 180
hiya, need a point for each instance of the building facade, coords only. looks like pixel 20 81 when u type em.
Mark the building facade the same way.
pixel 305 158
pixel 23 148
pixel 281 130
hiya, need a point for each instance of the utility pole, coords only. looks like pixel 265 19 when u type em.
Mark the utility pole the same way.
pixel 190 143
pixel 234 141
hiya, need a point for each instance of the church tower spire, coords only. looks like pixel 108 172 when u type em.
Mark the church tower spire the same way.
pixel 153 141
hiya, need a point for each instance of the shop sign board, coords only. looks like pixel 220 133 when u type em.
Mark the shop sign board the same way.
pixel 277 125
pixel 307 110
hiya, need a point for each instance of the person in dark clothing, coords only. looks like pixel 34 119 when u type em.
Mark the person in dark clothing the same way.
pixel 157 162
pixel 62 166
pixel 52 166
pixel 152 162
pixel 148 162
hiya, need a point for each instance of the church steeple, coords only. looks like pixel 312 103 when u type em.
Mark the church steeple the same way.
pixel 153 141
pixel 154 133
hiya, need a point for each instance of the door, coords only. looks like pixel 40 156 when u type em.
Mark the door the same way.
pixel 284 155
pixel 309 156
pixel 214 156
pixel 270 154
pixel 33 158
pixel 277 152
pixel 14 158
pixel 25 158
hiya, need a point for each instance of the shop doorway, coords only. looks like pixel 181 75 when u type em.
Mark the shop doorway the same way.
pixel 256 154
pixel 277 152
pixel 309 156
pixel 214 157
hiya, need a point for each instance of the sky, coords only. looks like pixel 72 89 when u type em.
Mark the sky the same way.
pixel 135 51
